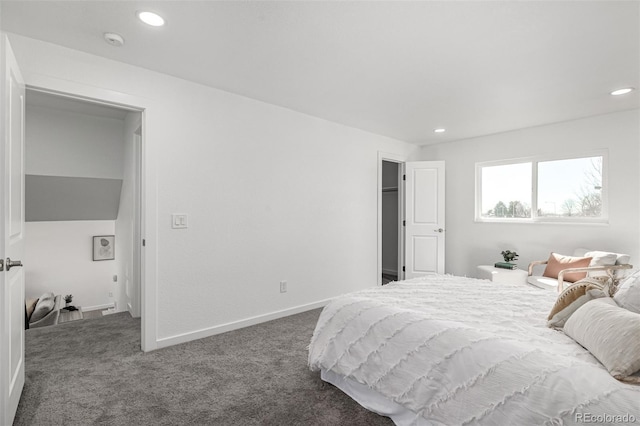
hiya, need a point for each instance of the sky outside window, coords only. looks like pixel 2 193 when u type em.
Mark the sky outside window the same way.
pixel 570 187
pixel 503 185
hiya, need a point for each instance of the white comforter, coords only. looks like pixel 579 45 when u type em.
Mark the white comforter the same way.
pixel 458 350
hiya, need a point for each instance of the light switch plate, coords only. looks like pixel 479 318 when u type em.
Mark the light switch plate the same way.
pixel 179 221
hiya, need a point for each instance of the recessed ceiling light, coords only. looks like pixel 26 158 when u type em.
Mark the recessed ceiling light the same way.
pixel 622 91
pixel 439 130
pixel 151 18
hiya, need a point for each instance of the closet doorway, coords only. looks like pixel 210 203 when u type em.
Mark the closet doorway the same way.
pixel 411 192
pixel 390 217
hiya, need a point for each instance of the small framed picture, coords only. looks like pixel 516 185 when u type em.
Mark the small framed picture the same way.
pixel 104 247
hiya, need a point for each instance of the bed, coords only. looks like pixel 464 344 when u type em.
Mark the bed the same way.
pixel 446 350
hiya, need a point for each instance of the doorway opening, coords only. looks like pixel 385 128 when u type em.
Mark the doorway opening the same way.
pixel 83 183
pixel 417 212
pixel 390 216
pixel 390 211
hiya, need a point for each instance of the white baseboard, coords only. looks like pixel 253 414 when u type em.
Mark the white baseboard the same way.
pixel 389 271
pixel 97 307
pixel 212 331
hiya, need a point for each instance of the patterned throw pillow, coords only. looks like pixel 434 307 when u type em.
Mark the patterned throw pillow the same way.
pixel 573 297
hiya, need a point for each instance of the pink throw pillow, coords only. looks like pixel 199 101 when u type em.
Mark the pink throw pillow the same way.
pixel 558 262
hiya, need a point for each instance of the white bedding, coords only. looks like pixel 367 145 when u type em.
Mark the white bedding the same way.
pixel 458 350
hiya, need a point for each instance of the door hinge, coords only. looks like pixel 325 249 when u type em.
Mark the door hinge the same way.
pixel 1 265
pixel 404 223
pixel 144 242
pixel 403 269
pixel 404 177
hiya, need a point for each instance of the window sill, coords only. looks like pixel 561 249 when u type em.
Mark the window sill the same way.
pixel 546 221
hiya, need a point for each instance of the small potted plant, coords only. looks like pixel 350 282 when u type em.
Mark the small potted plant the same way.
pixel 68 306
pixel 509 256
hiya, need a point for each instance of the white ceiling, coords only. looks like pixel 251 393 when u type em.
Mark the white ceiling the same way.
pixel 394 68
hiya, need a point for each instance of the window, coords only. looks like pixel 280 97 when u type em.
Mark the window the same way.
pixel 506 190
pixel 542 190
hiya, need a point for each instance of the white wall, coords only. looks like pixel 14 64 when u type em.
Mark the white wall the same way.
pixel 469 244
pixel 271 195
pixel 65 143
pixel 59 258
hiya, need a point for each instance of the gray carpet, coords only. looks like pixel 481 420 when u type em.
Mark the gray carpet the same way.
pixel 387 278
pixel 92 372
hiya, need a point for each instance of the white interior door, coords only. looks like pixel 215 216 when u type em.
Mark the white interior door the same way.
pixel 12 316
pixel 424 218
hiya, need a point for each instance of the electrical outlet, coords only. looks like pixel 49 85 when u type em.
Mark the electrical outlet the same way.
pixel 110 294
pixel 115 278
pixel 283 286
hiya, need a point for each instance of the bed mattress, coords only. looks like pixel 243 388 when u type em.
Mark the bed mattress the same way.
pixel 453 350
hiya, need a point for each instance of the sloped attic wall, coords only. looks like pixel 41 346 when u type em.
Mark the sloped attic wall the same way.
pixel 73 161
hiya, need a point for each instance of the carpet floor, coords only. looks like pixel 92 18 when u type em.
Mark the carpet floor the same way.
pixel 93 372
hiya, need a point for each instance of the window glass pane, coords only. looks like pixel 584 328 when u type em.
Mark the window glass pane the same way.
pixel 506 191
pixel 570 188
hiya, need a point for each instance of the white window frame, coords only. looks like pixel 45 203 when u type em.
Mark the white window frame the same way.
pixel 603 219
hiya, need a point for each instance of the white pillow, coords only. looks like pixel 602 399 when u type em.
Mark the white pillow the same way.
pixel 45 304
pixel 628 293
pixel 601 258
pixel 47 295
pixel 610 333
pixel 621 258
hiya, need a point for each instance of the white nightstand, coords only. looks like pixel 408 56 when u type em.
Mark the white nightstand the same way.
pixel 66 316
pixel 500 275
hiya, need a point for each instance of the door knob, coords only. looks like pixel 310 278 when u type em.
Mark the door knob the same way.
pixel 12 263
pixel 438 230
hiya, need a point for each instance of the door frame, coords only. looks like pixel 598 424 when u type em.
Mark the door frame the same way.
pixel 400 159
pixel 138 211
pixel 147 196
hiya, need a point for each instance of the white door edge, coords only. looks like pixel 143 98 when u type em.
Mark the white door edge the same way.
pixel 12 308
